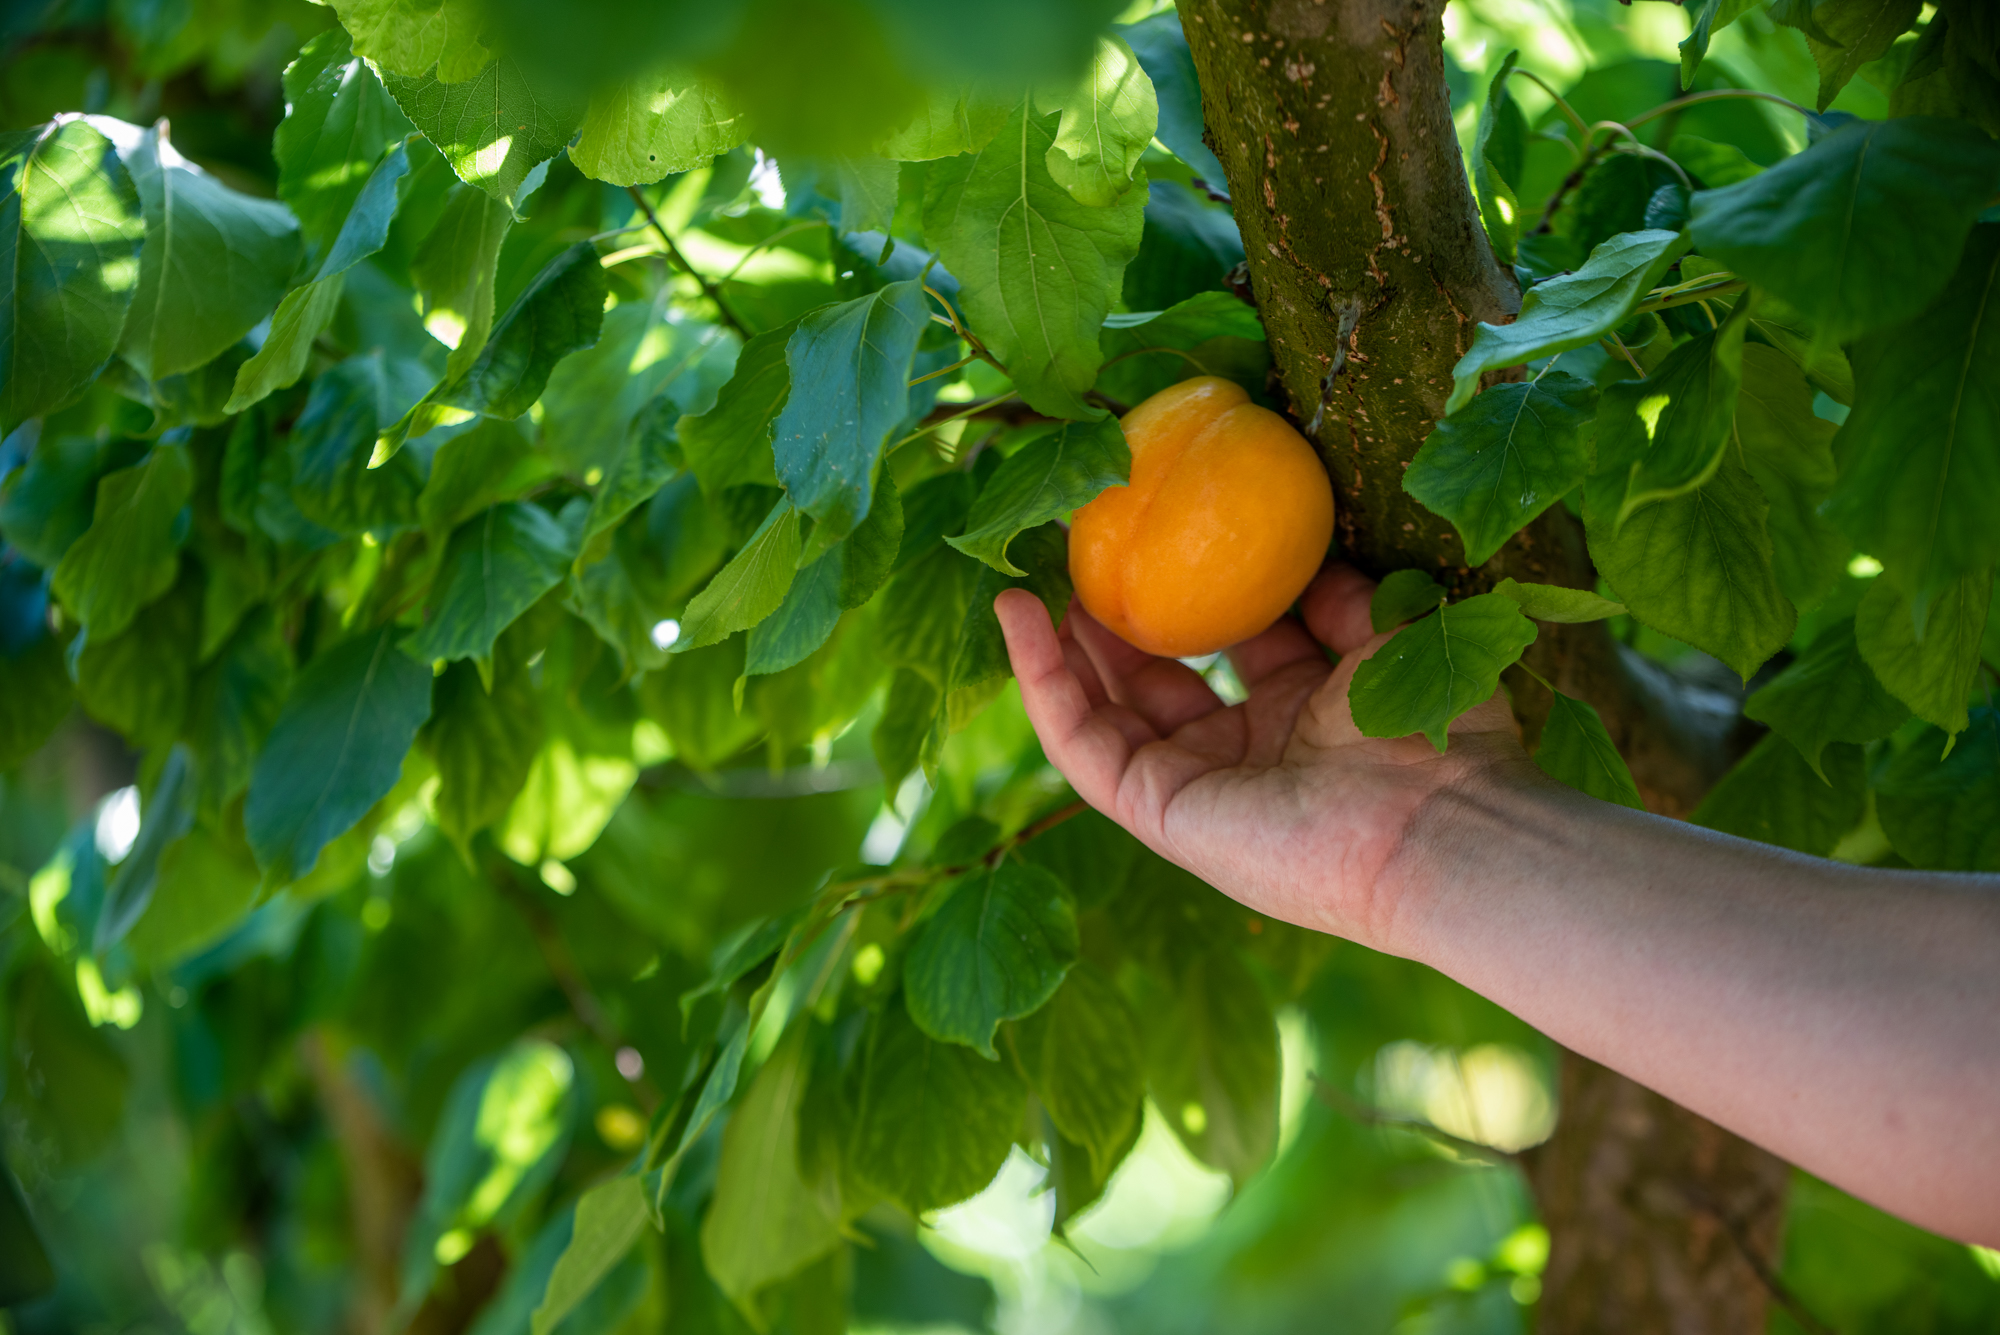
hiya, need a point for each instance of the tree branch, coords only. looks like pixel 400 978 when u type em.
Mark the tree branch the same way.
pixel 713 292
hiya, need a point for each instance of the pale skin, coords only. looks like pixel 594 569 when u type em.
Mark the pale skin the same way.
pixel 1845 1018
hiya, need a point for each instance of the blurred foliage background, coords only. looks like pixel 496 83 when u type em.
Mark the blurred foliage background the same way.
pixel 202 1147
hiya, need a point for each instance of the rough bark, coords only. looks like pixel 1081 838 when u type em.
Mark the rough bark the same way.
pixel 1369 267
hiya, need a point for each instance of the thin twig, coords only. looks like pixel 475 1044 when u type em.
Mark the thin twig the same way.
pixel 1666 107
pixel 1626 353
pixel 1566 108
pixel 713 293
pixel 1338 1099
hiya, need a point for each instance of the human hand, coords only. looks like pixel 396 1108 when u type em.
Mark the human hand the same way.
pixel 1279 801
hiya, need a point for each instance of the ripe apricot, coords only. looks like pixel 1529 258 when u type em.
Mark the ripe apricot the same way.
pixel 1227 517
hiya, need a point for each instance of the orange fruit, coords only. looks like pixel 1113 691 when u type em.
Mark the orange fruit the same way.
pixel 1226 520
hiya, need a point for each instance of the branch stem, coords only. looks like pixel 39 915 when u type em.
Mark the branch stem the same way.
pixel 709 289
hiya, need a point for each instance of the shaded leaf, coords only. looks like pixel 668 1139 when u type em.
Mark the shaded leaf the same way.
pixel 935 1121
pixel 1863 229
pixel 1920 453
pixel 1932 675
pixel 848 368
pixel 336 750
pixel 1827 694
pixel 483 743
pixel 1698 567
pixel 1500 142
pixel 496 566
pixel 751 587
pixel 1576 750
pixel 1788 450
pixel 1403 595
pixel 339 121
pixel 129 555
pixel 1570 311
pixel 1043 481
pixel 730 444
pixel 1664 436
pixel 1774 797
pixel 1084 1060
pixel 996 949
pixel 1939 797
pixel 1435 670
pixel 1509 454
pixel 1553 602
pixel 1212 1064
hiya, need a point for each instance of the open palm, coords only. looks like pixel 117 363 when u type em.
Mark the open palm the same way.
pixel 1278 801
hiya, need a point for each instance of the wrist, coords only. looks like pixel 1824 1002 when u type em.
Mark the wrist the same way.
pixel 1465 831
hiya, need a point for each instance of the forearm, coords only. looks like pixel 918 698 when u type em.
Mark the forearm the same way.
pixel 1847 1019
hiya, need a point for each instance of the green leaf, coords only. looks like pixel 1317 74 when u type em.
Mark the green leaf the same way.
pixel 867 187
pixel 1932 675
pixel 1664 436
pixel 981 655
pixel 1788 450
pixel 647 461
pixel 493 128
pixel 646 129
pixel 129 555
pixel 936 1120
pixel 730 444
pixel 46 505
pixel 1863 229
pixel 1084 1060
pixel 766 1222
pixel 1511 453
pixel 339 121
pixel 207 882
pixel 483 743
pixel 1846 34
pixel 1553 602
pixel 1210 333
pixel 1162 48
pixel 496 567
pixel 413 36
pixel 594 397
pixel 168 814
pixel 455 269
pixel 952 120
pixel 1698 567
pixel 1773 796
pixel 750 587
pixel 70 230
pixel 34 698
pixel 1108 119
pixel 1940 803
pixel 335 751
pixel 1710 17
pixel 571 793
pixel 308 310
pixel 1435 670
pixel 1500 144
pixel 333 438
pixel 1920 454
pixel 1043 481
pixel 472 470
pixel 609 1219
pixel 1827 694
pixel 214 263
pixel 1403 595
pixel 1212 1063
pixel 559 312
pixel 1038 270
pixel 137 682
pixel 1576 750
pixel 694 699
pixel 849 367
pixel 232 703
pixel 996 949
pixel 1570 311
pixel 842 578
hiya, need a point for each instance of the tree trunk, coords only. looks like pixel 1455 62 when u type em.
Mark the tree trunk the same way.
pixel 1369 267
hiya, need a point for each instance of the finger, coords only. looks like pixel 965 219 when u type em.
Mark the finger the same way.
pixel 1284 643
pixel 1165 692
pixel 1079 660
pixel 1336 608
pixel 1091 750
